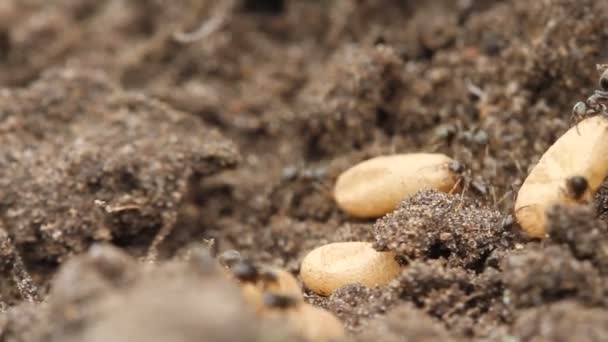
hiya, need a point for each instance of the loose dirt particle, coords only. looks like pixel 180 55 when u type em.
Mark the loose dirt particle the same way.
pixel 376 186
pixel 332 266
pixel 580 152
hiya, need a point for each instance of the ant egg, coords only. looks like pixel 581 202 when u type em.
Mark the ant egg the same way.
pixel 579 156
pixel 316 324
pixel 332 266
pixel 376 186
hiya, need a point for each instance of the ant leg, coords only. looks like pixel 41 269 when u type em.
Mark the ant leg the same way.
pixel 467 183
pixel 503 198
pixel 455 185
pixel 208 27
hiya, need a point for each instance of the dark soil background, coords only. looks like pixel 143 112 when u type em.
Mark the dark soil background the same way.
pixel 114 129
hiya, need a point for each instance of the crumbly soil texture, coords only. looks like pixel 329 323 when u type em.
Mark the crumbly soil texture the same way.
pixel 135 133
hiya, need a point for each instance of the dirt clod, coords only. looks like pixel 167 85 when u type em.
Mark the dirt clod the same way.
pixel 543 275
pixel 564 321
pixel 431 225
pixel 88 162
pixel 579 228
pixel 405 323
pixel 356 304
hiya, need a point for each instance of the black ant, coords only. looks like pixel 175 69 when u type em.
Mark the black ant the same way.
pixel 576 186
pixel 279 301
pixel 596 103
pixel 245 271
pixel 229 258
pixel 466 181
pixel 465 176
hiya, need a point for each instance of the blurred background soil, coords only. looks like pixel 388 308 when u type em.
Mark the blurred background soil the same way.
pixel 154 125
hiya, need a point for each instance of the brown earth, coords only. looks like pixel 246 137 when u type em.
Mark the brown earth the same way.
pixel 121 124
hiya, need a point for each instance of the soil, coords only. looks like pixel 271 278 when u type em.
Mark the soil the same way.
pixel 150 129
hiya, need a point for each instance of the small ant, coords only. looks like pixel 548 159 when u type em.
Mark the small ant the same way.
pixel 279 301
pixel 229 258
pixel 596 103
pixel 466 181
pixel 245 271
pixel 576 186
pixel 465 175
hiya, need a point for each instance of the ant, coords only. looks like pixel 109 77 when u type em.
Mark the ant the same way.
pixel 245 271
pixel 464 175
pixel 596 103
pixel 278 301
pixel 576 186
pixel 466 181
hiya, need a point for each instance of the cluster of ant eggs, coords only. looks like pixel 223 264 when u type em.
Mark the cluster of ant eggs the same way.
pixel 375 187
pixel 570 171
pixel 371 189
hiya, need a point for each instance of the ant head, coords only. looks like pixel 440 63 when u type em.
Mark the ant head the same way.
pixel 456 166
